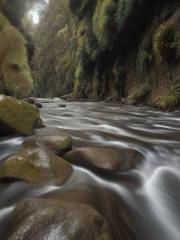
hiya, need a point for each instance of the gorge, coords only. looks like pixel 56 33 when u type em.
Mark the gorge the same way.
pixel 89 119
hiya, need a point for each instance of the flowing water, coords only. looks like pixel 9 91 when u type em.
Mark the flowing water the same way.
pixel 143 203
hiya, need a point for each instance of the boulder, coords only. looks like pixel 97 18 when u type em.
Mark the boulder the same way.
pixel 104 159
pixel 41 219
pixel 35 166
pixel 57 144
pixel 17 116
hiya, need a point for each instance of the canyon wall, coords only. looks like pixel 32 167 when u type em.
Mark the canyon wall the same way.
pixel 110 49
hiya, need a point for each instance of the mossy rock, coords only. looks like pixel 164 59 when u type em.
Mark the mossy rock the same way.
pixel 35 166
pixel 57 144
pixel 50 219
pixel 16 79
pixel 17 116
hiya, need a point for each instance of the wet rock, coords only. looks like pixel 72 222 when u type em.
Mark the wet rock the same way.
pixel 34 101
pixel 67 97
pixel 113 99
pixel 57 144
pixel 35 166
pixel 62 105
pixel 83 194
pixel 39 123
pixel 41 219
pixel 17 116
pixel 104 158
pixel 31 100
pixel 38 105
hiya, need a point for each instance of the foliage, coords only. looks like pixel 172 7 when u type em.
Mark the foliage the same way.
pixel 166 42
pixel 103 22
pixel 139 93
pixel 123 11
pixel 171 99
pixel 81 7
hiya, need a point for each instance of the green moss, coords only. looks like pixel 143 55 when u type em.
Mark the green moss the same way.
pixel 36 166
pixel 139 93
pixel 171 99
pixel 166 42
pixel 21 117
pixel 144 57
pixel 81 7
pixel 104 23
pixel 78 81
pixel 14 68
pixel 124 8
pixel 168 101
pixel 120 75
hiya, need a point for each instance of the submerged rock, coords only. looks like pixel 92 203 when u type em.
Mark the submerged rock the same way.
pixel 17 116
pixel 57 144
pixel 41 219
pixel 35 166
pixel 105 158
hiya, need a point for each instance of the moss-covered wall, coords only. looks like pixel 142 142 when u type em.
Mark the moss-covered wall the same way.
pixel 96 49
pixel 15 74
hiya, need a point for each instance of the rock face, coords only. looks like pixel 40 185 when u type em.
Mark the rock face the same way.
pixel 36 166
pixel 105 158
pixel 57 144
pixel 108 48
pixel 41 219
pixel 16 79
pixel 17 116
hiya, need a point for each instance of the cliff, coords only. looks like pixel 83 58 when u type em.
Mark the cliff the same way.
pixel 99 49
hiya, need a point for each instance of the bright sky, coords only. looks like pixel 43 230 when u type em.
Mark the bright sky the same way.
pixel 35 16
pixel 34 13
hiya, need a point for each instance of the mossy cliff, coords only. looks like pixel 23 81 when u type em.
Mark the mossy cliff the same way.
pixel 94 49
pixel 15 73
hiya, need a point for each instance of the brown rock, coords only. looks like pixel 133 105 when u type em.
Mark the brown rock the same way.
pixel 57 144
pixel 35 166
pixel 17 116
pixel 104 158
pixel 41 219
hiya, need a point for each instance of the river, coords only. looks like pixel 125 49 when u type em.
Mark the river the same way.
pixel 141 204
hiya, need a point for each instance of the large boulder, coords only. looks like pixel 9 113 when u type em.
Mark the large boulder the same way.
pixel 57 144
pixel 17 116
pixel 104 159
pixel 35 166
pixel 41 219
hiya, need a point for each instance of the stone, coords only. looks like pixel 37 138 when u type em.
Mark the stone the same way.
pixel 35 166
pixel 104 159
pixel 62 105
pixel 17 117
pixel 49 219
pixel 57 144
